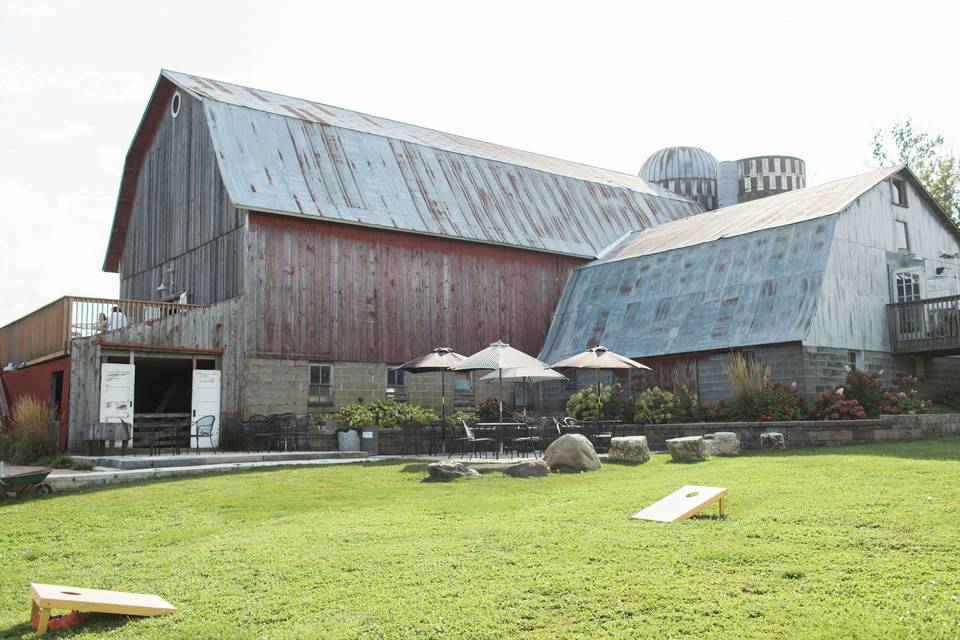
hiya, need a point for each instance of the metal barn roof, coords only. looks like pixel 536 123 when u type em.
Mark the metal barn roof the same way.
pixel 766 213
pixel 749 274
pixel 285 155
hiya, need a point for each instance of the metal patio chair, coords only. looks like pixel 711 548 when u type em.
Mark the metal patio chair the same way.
pixel 202 428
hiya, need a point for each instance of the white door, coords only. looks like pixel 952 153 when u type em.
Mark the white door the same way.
pixel 206 401
pixel 116 393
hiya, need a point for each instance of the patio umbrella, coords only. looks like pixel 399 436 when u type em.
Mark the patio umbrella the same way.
pixel 525 374
pixel 500 356
pixel 441 359
pixel 598 358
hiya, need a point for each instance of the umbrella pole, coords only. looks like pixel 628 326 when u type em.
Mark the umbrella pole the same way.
pixel 500 379
pixel 443 411
pixel 526 401
pixel 599 402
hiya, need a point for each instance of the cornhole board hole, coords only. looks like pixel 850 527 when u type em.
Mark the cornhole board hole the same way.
pixel 51 596
pixel 683 503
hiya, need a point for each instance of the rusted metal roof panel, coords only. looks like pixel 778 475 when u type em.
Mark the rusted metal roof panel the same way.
pixel 767 213
pixel 749 289
pixel 285 155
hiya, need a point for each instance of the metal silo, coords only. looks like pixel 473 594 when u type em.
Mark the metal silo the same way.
pixel 763 176
pixel 688 171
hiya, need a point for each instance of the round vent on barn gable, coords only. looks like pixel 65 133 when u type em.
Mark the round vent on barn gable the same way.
pixel 175 104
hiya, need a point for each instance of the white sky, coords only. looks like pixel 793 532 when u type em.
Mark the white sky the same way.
pixel 602 83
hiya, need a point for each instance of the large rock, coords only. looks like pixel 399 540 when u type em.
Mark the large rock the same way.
pixel 689 449
pixel 571 452
pixel 772 440
pixel 722 443
pixel 629 449
pixel 447 471
pixel 527 469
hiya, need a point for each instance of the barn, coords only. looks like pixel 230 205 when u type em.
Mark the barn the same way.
pixel 278 255
pixel 862 272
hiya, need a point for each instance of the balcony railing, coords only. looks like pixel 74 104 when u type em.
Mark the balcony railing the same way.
pixel 48 331
pixel 925 326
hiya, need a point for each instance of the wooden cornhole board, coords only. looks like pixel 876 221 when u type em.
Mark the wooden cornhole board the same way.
pixel 683 503
pixel 51 596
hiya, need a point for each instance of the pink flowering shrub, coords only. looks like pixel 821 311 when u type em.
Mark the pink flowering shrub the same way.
pixel 833 405
pixel 905 400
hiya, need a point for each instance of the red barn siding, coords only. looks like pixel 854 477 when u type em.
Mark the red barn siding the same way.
pixel 36 380
pixel 321 290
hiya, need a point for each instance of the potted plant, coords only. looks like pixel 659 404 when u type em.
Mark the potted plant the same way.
pixel 351 419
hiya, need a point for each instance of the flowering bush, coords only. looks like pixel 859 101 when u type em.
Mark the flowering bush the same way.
pixel 836 406
pixel 384 413
pixel 779 402
pixel 864 387
pixel 906 399
pixel 654 406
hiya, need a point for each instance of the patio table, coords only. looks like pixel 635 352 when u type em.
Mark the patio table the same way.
pixel 497 428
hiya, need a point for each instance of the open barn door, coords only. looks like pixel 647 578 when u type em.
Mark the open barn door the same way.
pixel 205 401
pixel 116 393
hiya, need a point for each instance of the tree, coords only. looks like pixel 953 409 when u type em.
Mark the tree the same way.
pixel 939 171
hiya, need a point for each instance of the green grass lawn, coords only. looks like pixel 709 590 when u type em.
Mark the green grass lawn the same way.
pixel 852 542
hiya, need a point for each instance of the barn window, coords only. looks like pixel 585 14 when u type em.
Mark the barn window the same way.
pixel 396 384
pixel 321 385
pixel 903 236
pixel 175 104
pixel 899 192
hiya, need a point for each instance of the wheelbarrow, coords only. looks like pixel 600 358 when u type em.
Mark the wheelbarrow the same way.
pixel 20 480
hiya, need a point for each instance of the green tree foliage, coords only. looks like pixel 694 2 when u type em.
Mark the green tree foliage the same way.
pixel 938 170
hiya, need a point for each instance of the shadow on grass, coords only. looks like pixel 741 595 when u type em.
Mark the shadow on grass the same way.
pixel 95 622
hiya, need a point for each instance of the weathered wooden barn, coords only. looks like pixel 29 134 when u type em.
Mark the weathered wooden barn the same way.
pixel 300 249
pixel 861 272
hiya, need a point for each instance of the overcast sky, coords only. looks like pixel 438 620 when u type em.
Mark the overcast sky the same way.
pixel 600 83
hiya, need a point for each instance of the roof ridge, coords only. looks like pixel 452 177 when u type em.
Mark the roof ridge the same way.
pixel 652 188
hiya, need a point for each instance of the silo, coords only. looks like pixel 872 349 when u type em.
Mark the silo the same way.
pixel 763 176
pixel 688 171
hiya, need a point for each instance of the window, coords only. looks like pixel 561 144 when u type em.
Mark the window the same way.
pixel 907 286
pixel 899 192
pixel 462 381
pixel 396 384
pixel 175 104
pixel 321 385
pixel 856 360
pixel 903 236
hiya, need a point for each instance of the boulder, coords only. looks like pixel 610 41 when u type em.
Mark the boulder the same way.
pixel 629 449
pixel 527 469
pixel 571 452
pixel 447 471
pixel 689 449
pixel 772 440
pixel 722 443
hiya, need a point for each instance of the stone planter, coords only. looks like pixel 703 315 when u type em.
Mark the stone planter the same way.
pixel 348 440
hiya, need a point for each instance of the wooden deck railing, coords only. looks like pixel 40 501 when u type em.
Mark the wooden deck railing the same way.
pixel 48 331
pixel 925 326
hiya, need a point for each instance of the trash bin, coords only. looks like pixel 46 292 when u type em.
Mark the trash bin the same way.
pixel 348 440
pixel 370 440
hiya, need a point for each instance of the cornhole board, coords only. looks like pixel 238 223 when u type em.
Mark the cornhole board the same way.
pixel 683 503
pixel 51 596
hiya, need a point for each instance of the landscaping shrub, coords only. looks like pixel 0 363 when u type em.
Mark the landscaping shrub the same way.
pixel 906 399
pixel 835 406
pixel 470 417
pixel 659 406
pixel 384 413
pixel 779 402
pixel 489 410
pixel 583 404
pixel 747 376
pixel 864 387
pixel 31 434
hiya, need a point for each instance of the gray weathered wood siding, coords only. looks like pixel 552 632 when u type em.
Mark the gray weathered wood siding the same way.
pixel 863 258
pixel 216 327
pixel 183 217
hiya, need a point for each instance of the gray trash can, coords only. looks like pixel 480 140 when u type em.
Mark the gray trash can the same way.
pixel 370 440
pixel 348 440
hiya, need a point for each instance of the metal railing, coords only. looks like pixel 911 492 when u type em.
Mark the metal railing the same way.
pixel 48 331
pixel 931 325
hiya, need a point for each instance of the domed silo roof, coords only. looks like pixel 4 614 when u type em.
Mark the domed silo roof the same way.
pixel 679 162
pixel 688 171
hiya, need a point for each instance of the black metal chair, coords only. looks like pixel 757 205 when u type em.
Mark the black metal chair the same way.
pixel 261 430
pixel 168 434
pixel 531 439
pixel 284 428
pixel 233 435
pixel 410 442
pixel 300 432
pixel 202 428
pixel 477 445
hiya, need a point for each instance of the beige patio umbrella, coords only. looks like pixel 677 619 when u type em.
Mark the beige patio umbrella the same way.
pixel 500 356
pixel 440 359
pixel 598 358
pixel 525 374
